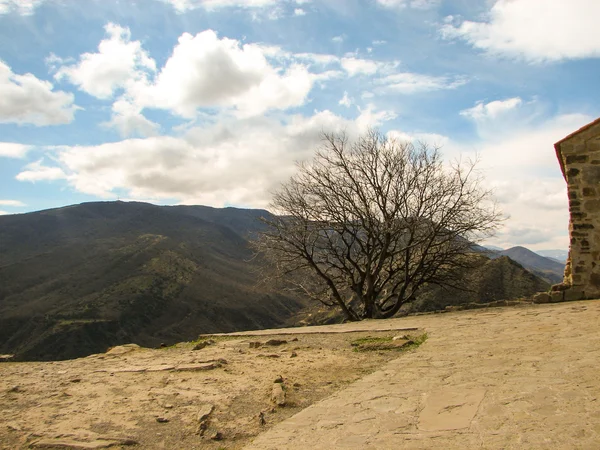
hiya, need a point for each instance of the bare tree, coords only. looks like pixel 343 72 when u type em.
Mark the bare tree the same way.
pixel 365 224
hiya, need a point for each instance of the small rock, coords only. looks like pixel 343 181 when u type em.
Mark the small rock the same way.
pixel 293 355
pixel 294 340
pixel 6 358
pixel 204 412
pixel 13 426
pixel 279 379
pixel 75 380
pixel 202 428
pixel 162 419
pixel 217 436
pixel 14 389
pixel 203 344
pixel 275 342
pixel 168 406
pixel 399 337
pixel 122 349
pixel 198 367
pixel 278 394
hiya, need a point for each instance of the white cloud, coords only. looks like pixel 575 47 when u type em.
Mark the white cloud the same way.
pixel 13 150
pixel 534 30
pixel 27 99
pixel 182 6
pixel 346 100
pixel 229 162
pixel 118 62
pixel 339 39
pixel 205 71
pixel 23 7
pixel 299 12
pixel 128 119
pixel 36 171
pixel 516 151
pixel 516 146
pixel 316 58
pixel 401 4
pixel 359 66
pixel 410 83
pixel 492 110
pixel 12 203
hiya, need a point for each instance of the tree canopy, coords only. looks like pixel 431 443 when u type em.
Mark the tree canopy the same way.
pixel 366 223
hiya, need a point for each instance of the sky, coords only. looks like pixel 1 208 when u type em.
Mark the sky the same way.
pixel 213 101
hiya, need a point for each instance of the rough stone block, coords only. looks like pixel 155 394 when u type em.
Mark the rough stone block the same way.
pixel 542 297
pixel 574 294
pixel 556 297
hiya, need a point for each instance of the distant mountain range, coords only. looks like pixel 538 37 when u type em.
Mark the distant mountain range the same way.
pixel 558 255
pixel 548 268
pixel 78 279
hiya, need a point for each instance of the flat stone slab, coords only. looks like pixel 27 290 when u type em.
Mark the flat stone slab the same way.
pixel 451 408
pixel 520 378
pixel 75 444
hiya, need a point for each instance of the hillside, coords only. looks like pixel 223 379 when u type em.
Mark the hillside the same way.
pixel 76 280
pixel 547 268
pixel 79 279
pixel 494 279
pixel 499 278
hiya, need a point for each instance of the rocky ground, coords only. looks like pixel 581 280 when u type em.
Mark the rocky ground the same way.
pixel 521 377
pixel 217 396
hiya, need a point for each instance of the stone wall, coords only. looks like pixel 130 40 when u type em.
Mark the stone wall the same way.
pixel 579 158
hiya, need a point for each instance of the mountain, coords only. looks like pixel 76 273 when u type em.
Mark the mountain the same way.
pixel 498 278
pixel 549 269
pixel 76 280
pixel 559 255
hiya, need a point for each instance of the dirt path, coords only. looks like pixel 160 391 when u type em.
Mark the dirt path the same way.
pixel 505 378
pixel 157 398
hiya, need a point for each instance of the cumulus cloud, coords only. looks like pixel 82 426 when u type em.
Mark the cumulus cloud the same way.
pixel 229 162
pixel 13 150
pixel 203 71
pixel 516 147
pixel 37 171
pixel 128 119
pixel 346 100
pixel 22 7
pixel 206 71
pixel 492 110
pixel 118 62
pixel 360 66
pixel 12 203
pixel 534 30
pixel 299 12
pixel 25 99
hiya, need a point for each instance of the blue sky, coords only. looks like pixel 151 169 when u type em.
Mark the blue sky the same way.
pixel 212 101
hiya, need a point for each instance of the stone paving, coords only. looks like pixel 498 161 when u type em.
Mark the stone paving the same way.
pixel 502 378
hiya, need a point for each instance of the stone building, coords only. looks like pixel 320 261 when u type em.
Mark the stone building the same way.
pixel 579 158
